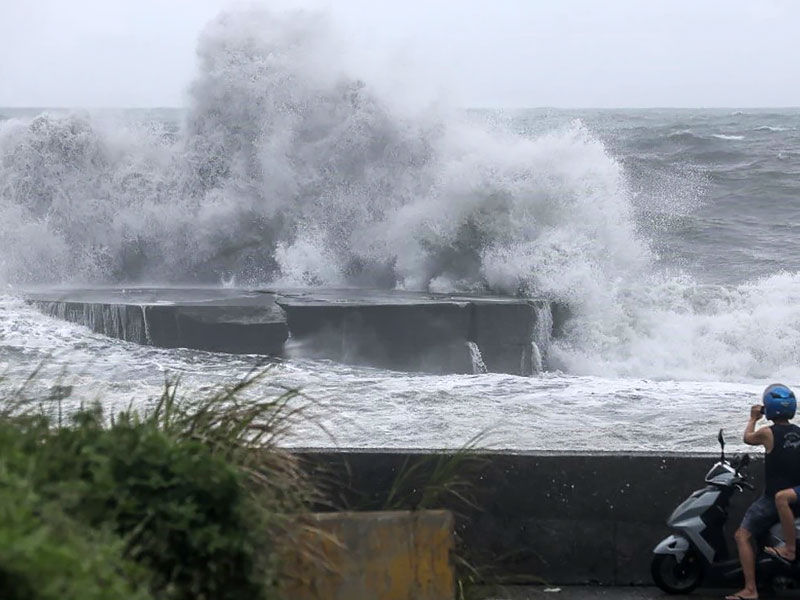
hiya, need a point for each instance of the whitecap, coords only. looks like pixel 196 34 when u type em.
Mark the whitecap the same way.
pixel 681 133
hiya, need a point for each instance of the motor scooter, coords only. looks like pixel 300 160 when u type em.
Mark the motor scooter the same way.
pixel 697 551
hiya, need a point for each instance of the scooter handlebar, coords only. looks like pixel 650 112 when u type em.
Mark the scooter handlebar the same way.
pixel 740 462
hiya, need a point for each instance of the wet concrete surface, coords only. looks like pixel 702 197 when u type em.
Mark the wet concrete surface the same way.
pixel 601 593
pixel 563 518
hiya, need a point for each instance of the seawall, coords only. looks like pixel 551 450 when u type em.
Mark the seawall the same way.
pixel 568 518
pixel 435 333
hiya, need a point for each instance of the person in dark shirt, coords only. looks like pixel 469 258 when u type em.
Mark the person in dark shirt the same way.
pixel 785 503
pixel 781 440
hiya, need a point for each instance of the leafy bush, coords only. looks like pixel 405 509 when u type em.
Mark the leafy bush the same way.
pixel 46 555
pixel 178 503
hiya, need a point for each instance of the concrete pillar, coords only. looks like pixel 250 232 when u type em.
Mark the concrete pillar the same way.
pixel 399 555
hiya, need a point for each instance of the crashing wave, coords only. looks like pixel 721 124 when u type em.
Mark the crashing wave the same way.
pixel 290 170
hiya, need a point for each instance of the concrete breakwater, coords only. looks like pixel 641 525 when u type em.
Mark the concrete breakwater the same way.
pixel 570 518
pixel 434 333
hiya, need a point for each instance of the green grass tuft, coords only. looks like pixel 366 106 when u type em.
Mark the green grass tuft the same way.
pixel 187 500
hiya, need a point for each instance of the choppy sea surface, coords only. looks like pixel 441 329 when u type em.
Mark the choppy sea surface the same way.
pixel 671 234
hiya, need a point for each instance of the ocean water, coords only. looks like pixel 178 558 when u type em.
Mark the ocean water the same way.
pixel 671 234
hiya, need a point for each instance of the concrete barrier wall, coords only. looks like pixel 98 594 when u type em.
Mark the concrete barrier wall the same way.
pixel 398 555
pixel 250 324
pixel 407 331
pixel 558 518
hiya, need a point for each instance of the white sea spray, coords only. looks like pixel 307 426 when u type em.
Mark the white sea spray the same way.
pixel 289 169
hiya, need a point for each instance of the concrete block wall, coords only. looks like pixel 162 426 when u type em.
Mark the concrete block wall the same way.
pixel 405 331
pixel 566 518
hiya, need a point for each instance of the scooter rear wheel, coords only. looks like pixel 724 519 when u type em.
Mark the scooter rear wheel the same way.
pixel 677 577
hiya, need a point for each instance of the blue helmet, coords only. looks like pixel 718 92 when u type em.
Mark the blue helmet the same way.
pixel 779 402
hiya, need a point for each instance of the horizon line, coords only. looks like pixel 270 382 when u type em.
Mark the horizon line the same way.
pixel 475 107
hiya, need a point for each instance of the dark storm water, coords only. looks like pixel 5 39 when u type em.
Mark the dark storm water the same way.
pixel 716 190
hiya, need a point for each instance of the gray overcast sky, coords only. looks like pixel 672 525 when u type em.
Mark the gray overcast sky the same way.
pixel 503 53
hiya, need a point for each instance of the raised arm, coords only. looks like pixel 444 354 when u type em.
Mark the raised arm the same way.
pixel 757 437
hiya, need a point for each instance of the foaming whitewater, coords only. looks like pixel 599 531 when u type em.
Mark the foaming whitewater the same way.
pixel 289 169
pixel 676 329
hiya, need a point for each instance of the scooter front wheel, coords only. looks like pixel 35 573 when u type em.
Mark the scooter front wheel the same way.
pixel 677 577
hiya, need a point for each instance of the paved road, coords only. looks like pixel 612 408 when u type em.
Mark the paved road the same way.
pixel 599 593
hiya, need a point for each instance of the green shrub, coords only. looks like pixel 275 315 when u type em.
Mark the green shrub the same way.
pixel 46 555
pixel 182 511
pixel 182 499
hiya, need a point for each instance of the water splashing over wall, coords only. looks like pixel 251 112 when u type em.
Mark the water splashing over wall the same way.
pixel 478 366
pixel 537 362
pixel 121 321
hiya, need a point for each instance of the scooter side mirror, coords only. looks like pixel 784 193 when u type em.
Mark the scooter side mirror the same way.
pixel 721 441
